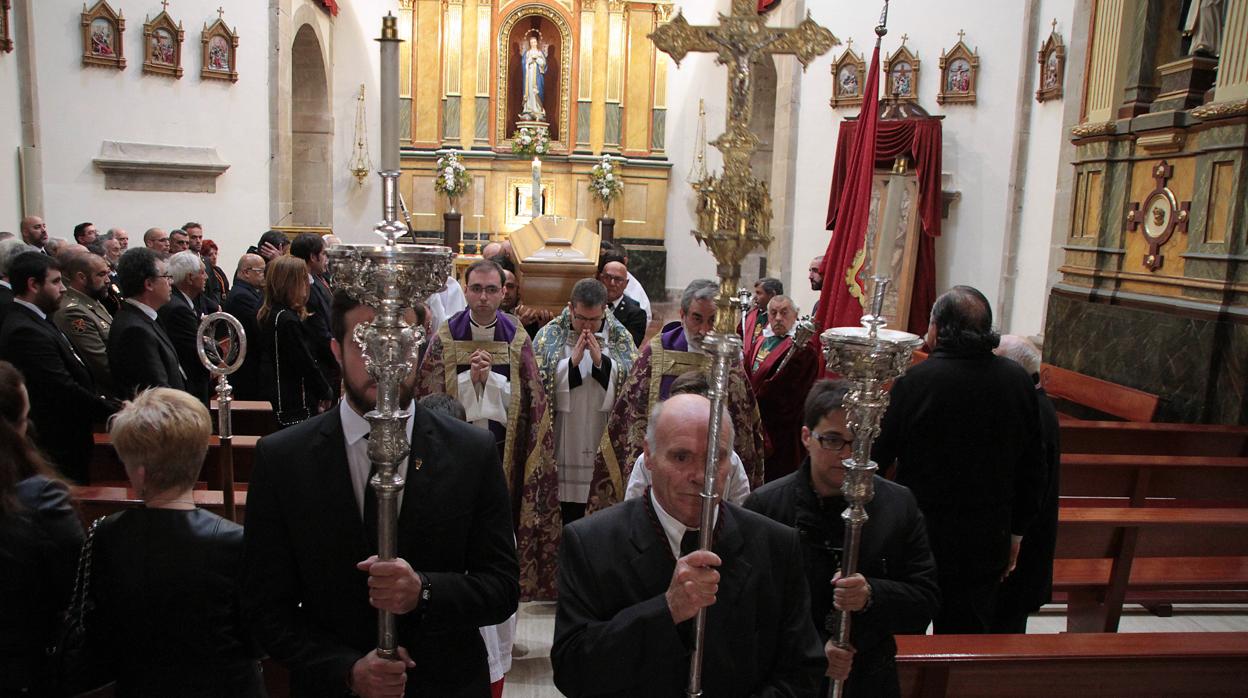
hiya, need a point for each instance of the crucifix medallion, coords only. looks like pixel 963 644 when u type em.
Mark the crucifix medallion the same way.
pixel 1159 217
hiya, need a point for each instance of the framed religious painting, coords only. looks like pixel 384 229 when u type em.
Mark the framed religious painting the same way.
pixel 959 71
pixel 902 69
pixel 848 77
pixel 1052 57
pixel 220 51
pixel 6 32
pixel 162 45
pixel 102 29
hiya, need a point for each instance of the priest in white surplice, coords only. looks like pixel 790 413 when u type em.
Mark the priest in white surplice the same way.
pixel 583 355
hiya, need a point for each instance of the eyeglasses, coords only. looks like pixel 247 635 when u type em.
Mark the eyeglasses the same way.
pixel 165 276
pixel 478 289
pixel 581 318
pixel 250 270
pixel 832 441
pixel 609 278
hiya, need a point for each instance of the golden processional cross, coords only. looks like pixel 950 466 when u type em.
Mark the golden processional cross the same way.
pixel 734 209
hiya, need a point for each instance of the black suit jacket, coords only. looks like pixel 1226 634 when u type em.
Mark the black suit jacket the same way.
pixel 243 303
pixel 6 301
pixel 965 432
pixel 1030 585
pixel 304 535
pixel 320 302
pixel 64 404
pixel 614 634
pixel 140 355
pixel 181 324
pixel 630 314
pixel 894 557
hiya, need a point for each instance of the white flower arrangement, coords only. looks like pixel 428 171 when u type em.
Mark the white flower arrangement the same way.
pixel 604 184
pixel 530 141
pixel 452 177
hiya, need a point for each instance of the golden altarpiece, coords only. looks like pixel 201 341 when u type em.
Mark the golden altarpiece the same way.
pixel 603 90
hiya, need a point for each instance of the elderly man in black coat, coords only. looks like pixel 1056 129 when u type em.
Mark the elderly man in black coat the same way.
pixel 243 302
pixel 140 354
pixel 895 588
pixel 1030 585
pixel 964 430
pixel 631 581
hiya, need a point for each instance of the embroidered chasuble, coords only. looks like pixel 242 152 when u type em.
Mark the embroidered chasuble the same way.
pixel 512 405
pixel 667 356
pixel 583 395
pixel 781 398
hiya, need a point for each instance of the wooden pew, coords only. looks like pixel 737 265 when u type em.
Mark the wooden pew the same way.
pixel 1140 665
pixel 1093 479
pixel 249 417
pixel 96 501
pixel 1158 438
pixel 1104 553
pixel 1069 388
pixel 106 467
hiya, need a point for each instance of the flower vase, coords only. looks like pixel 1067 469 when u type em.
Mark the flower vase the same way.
pixel 606 228
pixel 452 225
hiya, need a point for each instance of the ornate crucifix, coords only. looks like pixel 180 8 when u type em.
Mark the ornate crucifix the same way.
pixel 734 210
pixel 1160 216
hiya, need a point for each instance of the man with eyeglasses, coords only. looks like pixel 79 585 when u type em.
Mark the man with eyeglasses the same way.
pixel 244 301
pixel 483 358
pixel 895 589
pixel 776 382
pixel 140 354
pixel 157 240
pixel 584 355
pixel 613 273
pixel 672 352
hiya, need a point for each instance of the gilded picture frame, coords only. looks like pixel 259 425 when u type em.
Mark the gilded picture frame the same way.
pixel 902 75
pixel 1052 75
pixel 162 46
pixel 103 32
pixel 219 52
pixel 959 73
pixel 502 139
pixel 848 77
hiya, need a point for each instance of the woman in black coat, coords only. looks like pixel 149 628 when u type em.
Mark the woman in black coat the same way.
pixel 166 618
pixel 288 372
pixel 40 537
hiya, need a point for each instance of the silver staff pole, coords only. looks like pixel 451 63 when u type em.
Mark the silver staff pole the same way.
pixel 222 347
pixel 389 278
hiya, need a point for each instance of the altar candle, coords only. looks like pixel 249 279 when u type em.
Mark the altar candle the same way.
pixel 537 187
pixel 389 93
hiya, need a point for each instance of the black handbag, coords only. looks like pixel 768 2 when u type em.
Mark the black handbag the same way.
pixel 67 656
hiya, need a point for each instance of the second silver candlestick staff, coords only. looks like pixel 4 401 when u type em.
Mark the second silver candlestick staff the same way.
pixel 222 347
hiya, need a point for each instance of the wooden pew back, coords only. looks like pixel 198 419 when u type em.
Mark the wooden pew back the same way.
pixel 1151 480
pixel 1066 386
pixel 1155 438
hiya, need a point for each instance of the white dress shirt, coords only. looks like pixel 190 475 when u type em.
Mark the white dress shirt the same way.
pixel 354 429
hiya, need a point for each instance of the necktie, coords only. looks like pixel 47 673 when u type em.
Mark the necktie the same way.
pixel 689 542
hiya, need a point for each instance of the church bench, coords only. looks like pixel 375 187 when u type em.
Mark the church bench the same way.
pixel 106 465
pixel 1152 480
pixel 1156 438
pixel 94 501
pixel 1092 664
pixel 249 417
pixel 1169 553
pixel 1064 387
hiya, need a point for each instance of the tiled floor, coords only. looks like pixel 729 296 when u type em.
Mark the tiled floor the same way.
pixel 530 675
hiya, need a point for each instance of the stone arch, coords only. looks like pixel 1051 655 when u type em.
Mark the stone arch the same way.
pixel 312 131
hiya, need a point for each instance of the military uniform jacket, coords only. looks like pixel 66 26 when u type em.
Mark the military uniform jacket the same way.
pixel 85 322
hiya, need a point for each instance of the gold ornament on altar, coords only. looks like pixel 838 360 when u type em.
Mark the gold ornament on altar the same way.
pixel 734 209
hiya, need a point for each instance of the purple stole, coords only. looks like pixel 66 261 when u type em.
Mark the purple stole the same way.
pixel 460 325
pixel 673 339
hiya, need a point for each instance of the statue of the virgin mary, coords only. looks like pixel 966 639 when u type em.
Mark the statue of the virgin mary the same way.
pixel 533 72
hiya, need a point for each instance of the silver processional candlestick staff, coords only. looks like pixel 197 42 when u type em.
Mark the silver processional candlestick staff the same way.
pixel 222 347
pixel 389 278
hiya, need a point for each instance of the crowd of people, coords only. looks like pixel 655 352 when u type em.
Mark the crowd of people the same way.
pixel 554 456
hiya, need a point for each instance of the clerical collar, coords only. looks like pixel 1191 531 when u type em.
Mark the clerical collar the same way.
pixel 483 327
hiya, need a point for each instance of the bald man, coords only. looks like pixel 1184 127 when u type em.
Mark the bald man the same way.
pixel 243 302
pixel 34 232
pixel 631 581
pixel 157 240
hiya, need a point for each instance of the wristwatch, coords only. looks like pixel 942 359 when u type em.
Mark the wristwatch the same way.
pixel 426 591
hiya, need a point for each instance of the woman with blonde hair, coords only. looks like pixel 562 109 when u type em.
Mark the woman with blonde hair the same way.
pixel 39 540
pixel 164 614
pixel 288 372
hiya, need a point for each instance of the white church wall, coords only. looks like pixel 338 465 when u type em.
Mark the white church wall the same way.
pixel 82 106
pixel 1036 245
pixel 10 123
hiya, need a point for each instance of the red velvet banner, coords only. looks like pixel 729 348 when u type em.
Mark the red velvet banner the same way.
pixel 765 5
pixel 921 140
pixel 331 6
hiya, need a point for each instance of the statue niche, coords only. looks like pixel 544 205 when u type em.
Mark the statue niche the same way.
pixel 534 67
